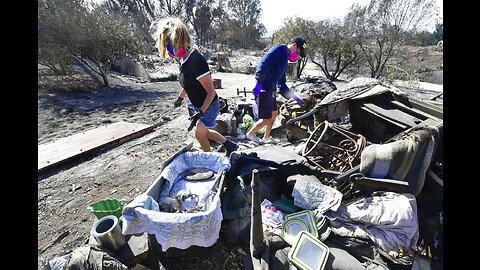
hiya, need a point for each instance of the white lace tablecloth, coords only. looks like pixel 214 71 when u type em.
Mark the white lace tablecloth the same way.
pixel 179 230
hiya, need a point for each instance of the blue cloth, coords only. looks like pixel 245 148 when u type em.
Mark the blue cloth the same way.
pixel 272 67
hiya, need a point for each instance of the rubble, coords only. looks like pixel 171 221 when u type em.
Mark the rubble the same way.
pixel 356 166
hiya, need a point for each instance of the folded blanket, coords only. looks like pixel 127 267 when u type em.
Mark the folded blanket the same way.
pixel 407 158
pixel 389 220
pixel 310 194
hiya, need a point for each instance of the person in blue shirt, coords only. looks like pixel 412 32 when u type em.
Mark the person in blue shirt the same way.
pixel 270 73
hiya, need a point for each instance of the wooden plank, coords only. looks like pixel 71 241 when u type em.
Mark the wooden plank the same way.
pixel 392 115
pixel 63 149
pixel 415 112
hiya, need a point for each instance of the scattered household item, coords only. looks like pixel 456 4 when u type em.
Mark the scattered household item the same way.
pixel 406 158
pixel 180 202
pixel 291 228
pixel 135 251
pixel 257 243
pixel 107 207
pixel 338 155
pixel 244 91
pixel 226 123
pixel 246 125
pixel 370 184
pixel 107 233
pixel 197 174
pixel 308 253
pixel 266 250
pixel 322 227
pixel 272 218
pixel 84 257
pixel 307 217
pixel 181 230
pixel 310 194
pixel 287 206
pixel 389 219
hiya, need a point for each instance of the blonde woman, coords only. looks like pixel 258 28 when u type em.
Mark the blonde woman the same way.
pixel 174 41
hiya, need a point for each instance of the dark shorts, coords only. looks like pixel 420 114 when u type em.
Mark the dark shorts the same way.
pixel 267 103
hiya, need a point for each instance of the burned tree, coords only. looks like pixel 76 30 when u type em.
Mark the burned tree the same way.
pixel 333 47
pixel 382 26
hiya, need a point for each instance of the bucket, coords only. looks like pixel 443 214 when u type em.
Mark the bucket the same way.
pixel 217 83
pixel 107 207
pixel 107 233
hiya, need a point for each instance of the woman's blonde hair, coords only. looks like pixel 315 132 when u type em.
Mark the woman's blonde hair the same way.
pixel 170 29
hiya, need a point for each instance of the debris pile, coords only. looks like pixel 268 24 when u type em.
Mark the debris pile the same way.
pixel 349 186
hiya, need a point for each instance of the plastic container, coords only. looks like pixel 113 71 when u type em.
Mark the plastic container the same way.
pixel 307 217
pixel 107 207
pixel 308 253
pixel 291 228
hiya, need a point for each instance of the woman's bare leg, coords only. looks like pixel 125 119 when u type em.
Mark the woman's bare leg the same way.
pixel 202 134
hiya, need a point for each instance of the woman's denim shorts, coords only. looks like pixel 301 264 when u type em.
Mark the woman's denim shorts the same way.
pixel 208 118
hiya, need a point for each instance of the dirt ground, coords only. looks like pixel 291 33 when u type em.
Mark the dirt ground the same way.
pixel 120 171
pixel 69 105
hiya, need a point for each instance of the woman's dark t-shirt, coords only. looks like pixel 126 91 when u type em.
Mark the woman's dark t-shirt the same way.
pixel 192 68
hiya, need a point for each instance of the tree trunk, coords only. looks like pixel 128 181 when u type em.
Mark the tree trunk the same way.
pixel 105 80
pixel 103 73
pixel 323 69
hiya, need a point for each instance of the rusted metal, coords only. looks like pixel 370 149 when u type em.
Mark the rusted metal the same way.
pixel 380 183
pixel 338 157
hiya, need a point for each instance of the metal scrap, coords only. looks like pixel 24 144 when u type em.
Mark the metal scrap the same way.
pixel 340 156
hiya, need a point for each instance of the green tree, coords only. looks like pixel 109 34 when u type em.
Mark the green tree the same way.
pixel 173 7
pixel 103 39
pixel 438 33
pixel 140 14
pixel 245 16
pixel 199 14
pixel 423 38
pixel 68 30
pixel 56 38
pixel 293 27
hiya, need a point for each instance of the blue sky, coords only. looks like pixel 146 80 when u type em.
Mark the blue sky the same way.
pixel 275 11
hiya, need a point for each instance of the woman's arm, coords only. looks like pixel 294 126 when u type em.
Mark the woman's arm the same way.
pixel 207 83
pixel 182 94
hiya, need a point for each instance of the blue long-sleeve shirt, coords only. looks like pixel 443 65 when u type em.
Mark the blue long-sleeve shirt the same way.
pixel 272 67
